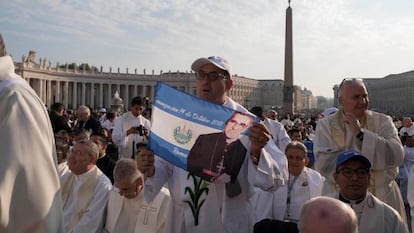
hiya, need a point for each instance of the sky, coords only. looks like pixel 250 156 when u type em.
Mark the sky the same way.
pixel 332 39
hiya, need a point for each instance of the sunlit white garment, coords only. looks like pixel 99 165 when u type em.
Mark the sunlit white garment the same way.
pixel 279 134
pixel 121 125
pixel 404 130
pixel 410 193
pixel 376 216
pixel 381 145
pixel 109 125
pixel 298 190
pixel 404 171
pixel 30 199
pixel 84 200
pixel 136 215
pixel 218 212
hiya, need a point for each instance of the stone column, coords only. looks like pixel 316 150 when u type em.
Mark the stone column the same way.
pixel 109 96
pixel 151 94
pixel 83 97
pixel 65 94
pixel 75 95
pixel 49 93
pixel 92 104
pixel 58 94
pixel 101 95
pixel 144 91
pixel 135 90
pixel 126 100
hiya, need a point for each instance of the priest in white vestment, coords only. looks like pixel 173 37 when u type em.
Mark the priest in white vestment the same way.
pixel 371 133
pixel 85 190
pixel 128 212
pixel 30 199
pixel 216 207
pixel 131 128
pixel 303 184
pixel 353 176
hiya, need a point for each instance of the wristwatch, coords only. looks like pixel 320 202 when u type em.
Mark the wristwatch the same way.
pixel 360 135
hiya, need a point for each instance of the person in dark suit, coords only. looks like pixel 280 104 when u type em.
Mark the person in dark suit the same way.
pixel 217 157
pixel 87 121
pixel 104 163
pixel 58 120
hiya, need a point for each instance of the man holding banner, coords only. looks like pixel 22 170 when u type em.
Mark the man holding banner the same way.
pixel 199 206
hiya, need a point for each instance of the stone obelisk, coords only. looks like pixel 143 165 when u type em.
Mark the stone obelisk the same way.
pixel 288 79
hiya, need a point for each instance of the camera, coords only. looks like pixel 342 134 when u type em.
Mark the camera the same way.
pixel 140 130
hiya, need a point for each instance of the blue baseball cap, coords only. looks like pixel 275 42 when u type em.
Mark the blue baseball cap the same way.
pixel 351 154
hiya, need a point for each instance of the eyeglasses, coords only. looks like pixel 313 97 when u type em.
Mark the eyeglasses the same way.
pixel 211 76
pixel 349 172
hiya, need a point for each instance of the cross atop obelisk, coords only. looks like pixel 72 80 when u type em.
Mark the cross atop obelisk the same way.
pixel 288 79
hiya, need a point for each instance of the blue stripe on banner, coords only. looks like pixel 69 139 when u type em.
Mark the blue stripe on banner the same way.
pixel 207 113
pixel 163 148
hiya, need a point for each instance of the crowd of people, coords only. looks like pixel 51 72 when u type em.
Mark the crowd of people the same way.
pixel 343 170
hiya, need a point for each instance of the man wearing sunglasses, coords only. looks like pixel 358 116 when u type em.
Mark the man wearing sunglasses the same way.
pixel 221 210
pixel 371 133
pixel 352 175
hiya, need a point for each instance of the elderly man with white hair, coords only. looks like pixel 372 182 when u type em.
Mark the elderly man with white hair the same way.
pixel 371 133
pixel 85 190
pixel 128 212
pixel 87 121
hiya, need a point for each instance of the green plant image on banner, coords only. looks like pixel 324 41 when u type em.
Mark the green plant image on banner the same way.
pixel 200 186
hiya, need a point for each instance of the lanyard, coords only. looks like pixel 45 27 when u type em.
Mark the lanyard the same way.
pixel 289 192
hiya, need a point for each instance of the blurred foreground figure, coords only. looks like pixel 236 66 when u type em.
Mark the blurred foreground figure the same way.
pixel 327 215
pixel 29 185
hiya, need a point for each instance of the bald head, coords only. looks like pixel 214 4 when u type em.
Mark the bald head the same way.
pixel 353 97
pixel 327 215
pixel 3 51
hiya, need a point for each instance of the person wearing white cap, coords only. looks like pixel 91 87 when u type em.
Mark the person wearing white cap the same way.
pixel 352 175
pixel 102 115
pixel 407 125
pixel 30 198
pixel 329 111
pixel 372 133
pixel 223 208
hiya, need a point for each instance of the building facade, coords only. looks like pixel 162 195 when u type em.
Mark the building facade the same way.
pixel 392 94
pixel 93 87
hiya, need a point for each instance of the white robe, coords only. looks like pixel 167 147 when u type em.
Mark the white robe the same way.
pixel 90 189
pixel 381 145
pixel 218 213
pixel 121 125
pixel 279 134
pixel 374 216
pixel 410 194
pixel 30 199
pixel 136 215
pixel 273 204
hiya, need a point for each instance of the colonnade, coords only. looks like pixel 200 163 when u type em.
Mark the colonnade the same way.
pixel 94 94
